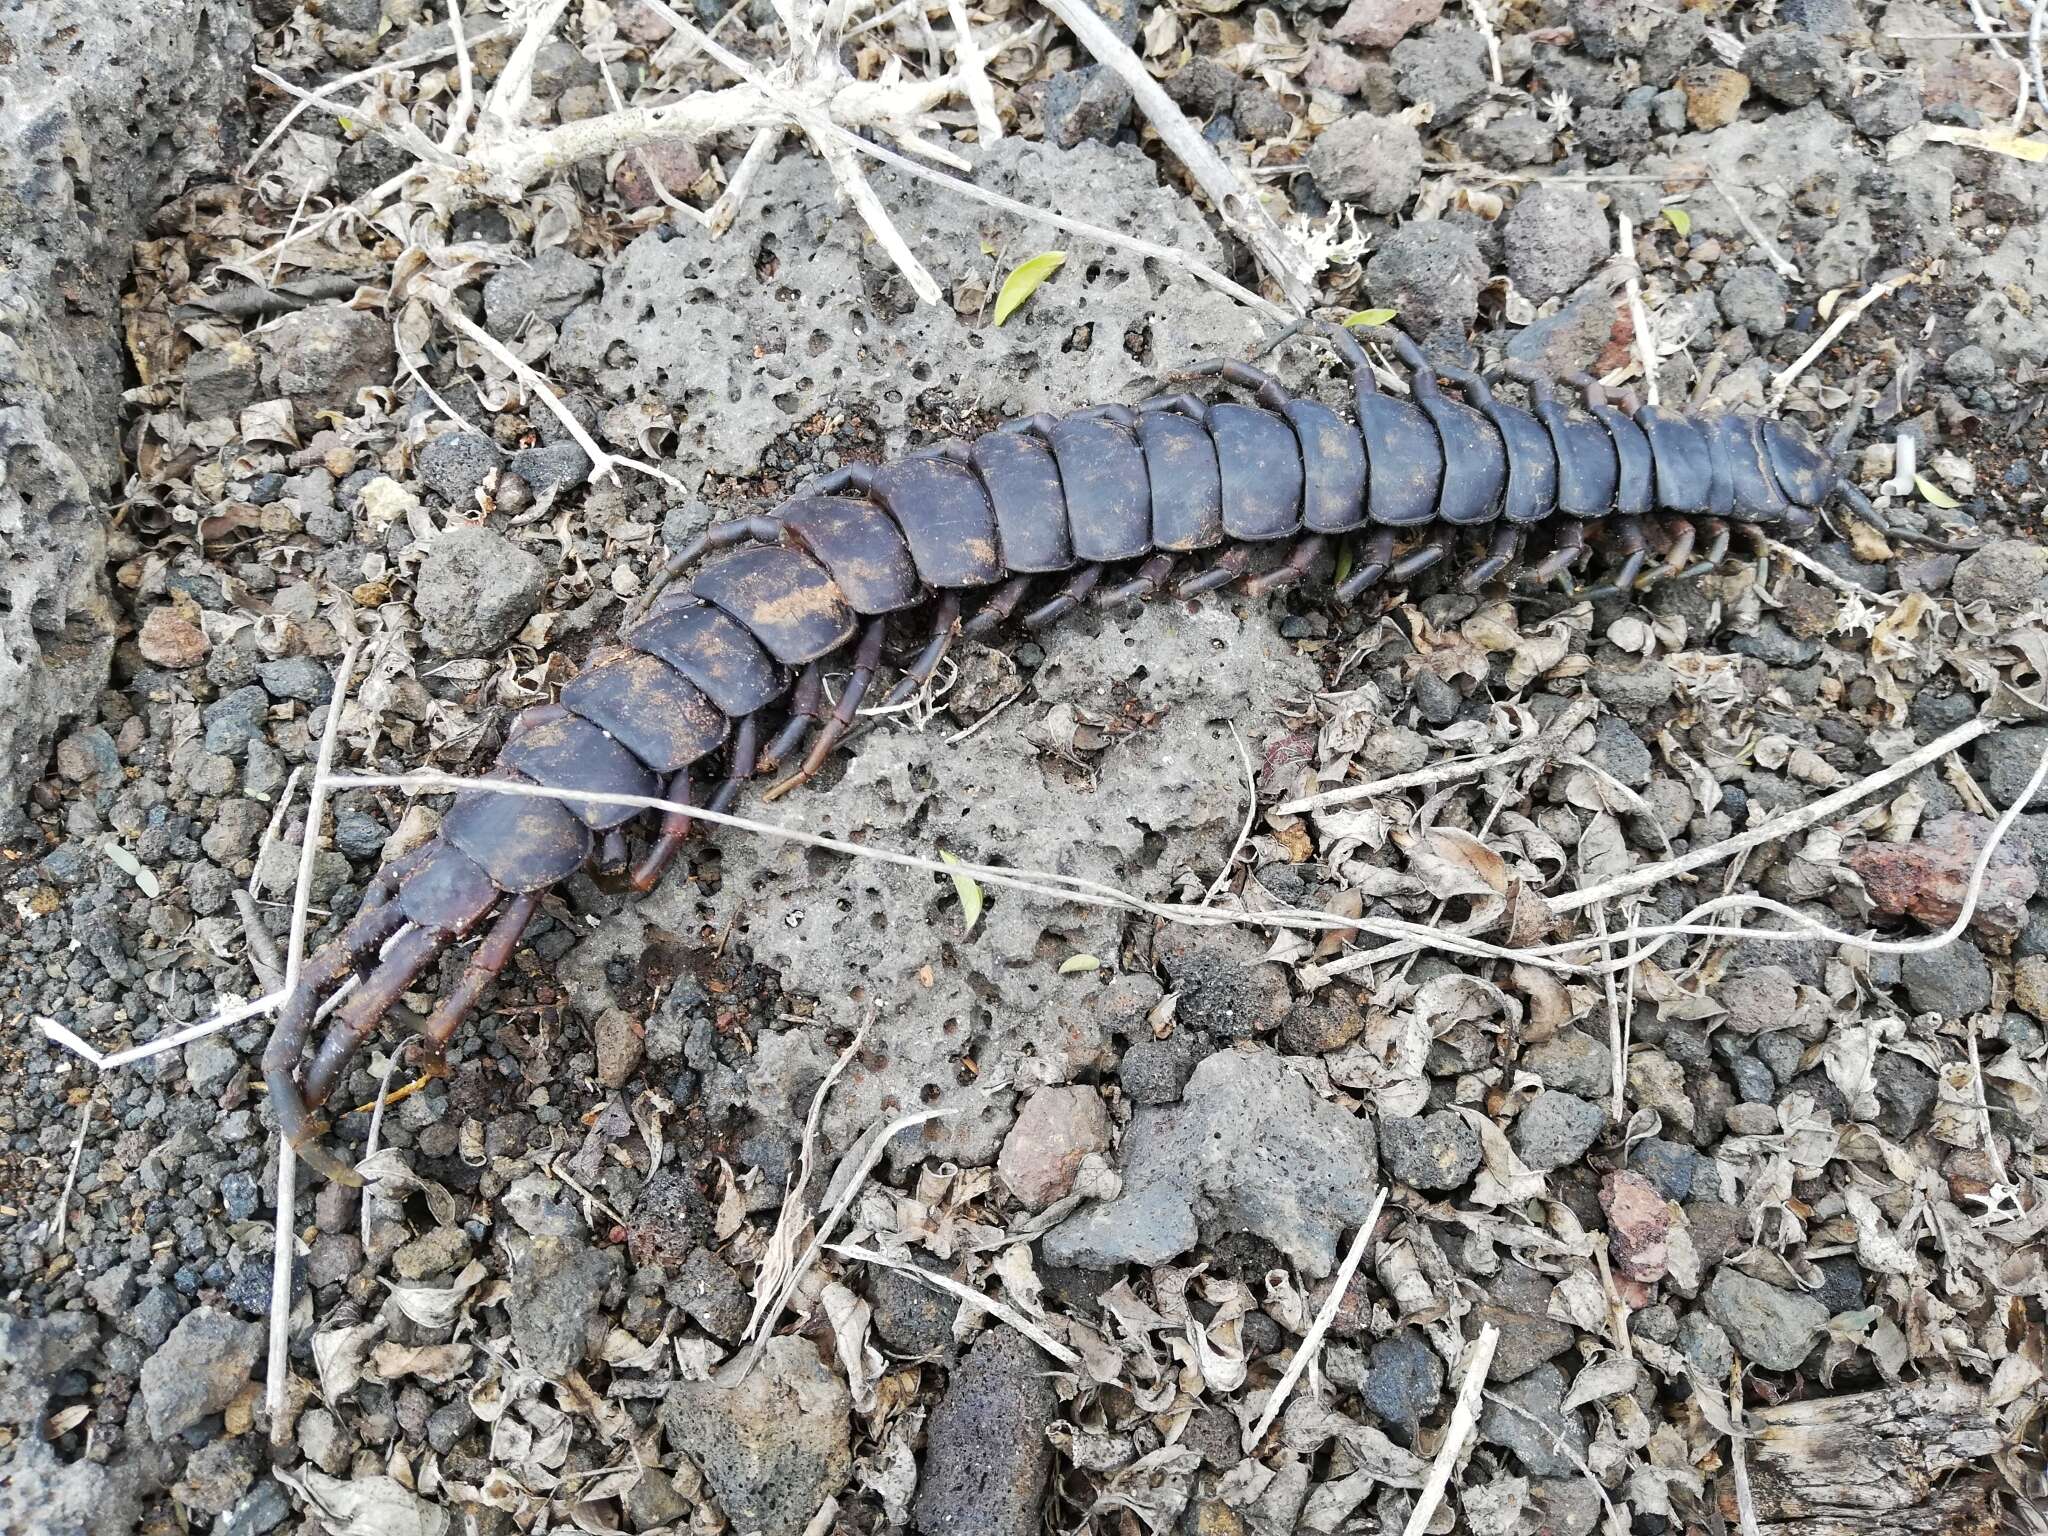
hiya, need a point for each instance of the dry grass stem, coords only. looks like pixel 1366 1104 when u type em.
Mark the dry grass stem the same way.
pixel 966 1293
pixel 1464 1419
pixel 55 1233
pixel 1290 267
pixel 1781 386
pixel 1313 1339
pixel 1540 745
pixel 1639 314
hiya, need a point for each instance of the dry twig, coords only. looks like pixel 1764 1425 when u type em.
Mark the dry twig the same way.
pixel 1781 386
pixel 1464 1418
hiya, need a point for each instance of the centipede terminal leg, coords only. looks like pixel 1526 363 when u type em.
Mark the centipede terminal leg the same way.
pixel 1567 550
pixel 357 1018
pixel 484 965
pixel 1718 536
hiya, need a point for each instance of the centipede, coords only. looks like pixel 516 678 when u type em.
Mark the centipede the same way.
pixel 720 679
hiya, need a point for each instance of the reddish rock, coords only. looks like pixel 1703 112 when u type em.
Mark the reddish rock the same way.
pixel 1383 23
pixel 1927 878
pixel 169 639
pixel 1043 1152
pixel 673 160
pixel 1637 1221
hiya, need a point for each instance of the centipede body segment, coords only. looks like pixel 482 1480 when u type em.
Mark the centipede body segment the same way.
pixel 721 678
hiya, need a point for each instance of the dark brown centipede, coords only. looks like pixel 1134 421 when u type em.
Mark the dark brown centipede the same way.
pixel 722 680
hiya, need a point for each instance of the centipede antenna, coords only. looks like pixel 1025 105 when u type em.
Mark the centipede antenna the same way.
pixel 1860 505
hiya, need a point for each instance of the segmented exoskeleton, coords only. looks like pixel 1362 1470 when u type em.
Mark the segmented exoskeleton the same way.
pixel 705 671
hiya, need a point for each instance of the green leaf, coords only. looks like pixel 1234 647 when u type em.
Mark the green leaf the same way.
pixel 1679 220
pixel 968 890
pixel 1023 282
pixel 1934 493
pixel 1369 317
pixel 1073 965
pixel 1343 563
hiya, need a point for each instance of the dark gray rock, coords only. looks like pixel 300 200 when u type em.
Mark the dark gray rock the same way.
pixel 551 467
pixel 199 1370
pixel 236 720
pixel 1573 1061
pixel 1773 1327
pixel 1086 103
pixel 1530 1422
pixel 1429 273
pixel 1792 67
pixel 1704 1343
pixel 2009 575
pixel 1969 366
pixel 1446 68
pixel 1556 1128
pixel 1608 134
pixel 546 288
pixel 476 591
pixel 220 381
pixel 1202 88
pixel 910 1317
pixel 295 677
pixel 558 1287
pixel 1430 1152
pixel 1886 109
pixel 1518 139
pixel 1250 1148
pixel 1556 237
pixel 1953 981
pixel 1228 989
pixel 1375 162
pixel 1774 644
pixel 455 465
pixel 1155 1071
pixel 710 1292
pixel 1517 1302
pixel 1404 1382
pixel 987 1459
pixel 1905 1091
pixel 773 1443
pixel 1755 299
pixel 321 356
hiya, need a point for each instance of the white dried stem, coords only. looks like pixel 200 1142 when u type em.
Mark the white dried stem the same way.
pixel 1464 1419
pixel 1750 227
pixel 1540 744
pixel 1313 1339
pixel 603 465
pixel 1639 315
pixel 965 1293
pixel 1781 386
pixel 1292 269
pixel 399 129
pixel 465 81
pixel 510 97
pixel 55 1231
pixel 278 1366
pixel 1770 831
pixel 973 75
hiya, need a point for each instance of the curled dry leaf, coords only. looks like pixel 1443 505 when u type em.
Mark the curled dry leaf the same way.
pixel 1451 862
pixel 368 1506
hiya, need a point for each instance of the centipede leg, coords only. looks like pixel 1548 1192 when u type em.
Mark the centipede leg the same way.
pixel 945 625
pixel 675 831
pixel 1070 597
pixel 1230 565
pixel 759 530
pixel 1374 559
pixel 1684 537
pixel 1295 569
pixel 805 704
pixel 866 660
pixel 995 612
pixel 1626 534
pixel 1149 579
pixel 1435 545
pixel 740 760
pixel 1502 553
pixel 1718 536
pixel 357 1019
pixel 1566 552
pixel 484 965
